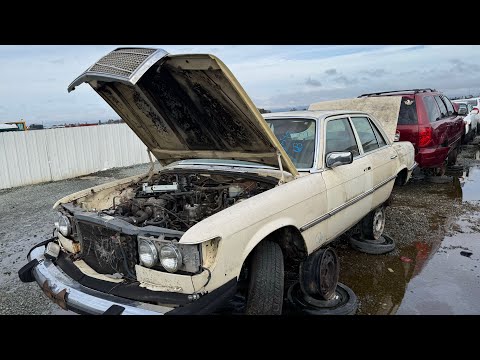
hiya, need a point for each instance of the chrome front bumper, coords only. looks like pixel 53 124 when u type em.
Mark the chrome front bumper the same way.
pixel 65 291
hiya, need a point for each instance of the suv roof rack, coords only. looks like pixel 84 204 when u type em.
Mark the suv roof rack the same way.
pixel 413 91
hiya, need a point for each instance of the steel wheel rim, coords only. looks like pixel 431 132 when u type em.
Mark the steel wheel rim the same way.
pixel 328 274
pixel 378 223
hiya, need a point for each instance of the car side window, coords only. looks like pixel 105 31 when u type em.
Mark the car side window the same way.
pixel 441 106
pixel 339 137
pixel 381 141
pixel 365 133
pixel 450 109
pixel 469 108
pixel 432 109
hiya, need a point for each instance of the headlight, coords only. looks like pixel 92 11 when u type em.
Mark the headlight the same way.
pixel 147 252
pixel 63 225
pixel 170 258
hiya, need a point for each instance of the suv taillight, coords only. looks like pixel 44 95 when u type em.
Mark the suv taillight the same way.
pixel 397 136
pixel 424 136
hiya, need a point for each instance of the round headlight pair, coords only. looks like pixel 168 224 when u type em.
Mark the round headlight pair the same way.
pixel 170 257
pixel 63 225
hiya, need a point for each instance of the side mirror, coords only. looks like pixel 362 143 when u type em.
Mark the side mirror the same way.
pixel 462 110
pixel 338 158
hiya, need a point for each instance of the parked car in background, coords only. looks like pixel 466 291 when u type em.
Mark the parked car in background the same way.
pixel 239 195
pixel 472 117
pixel 429 121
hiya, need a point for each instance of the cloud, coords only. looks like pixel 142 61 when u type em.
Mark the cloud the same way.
pixel 35 78
pixel 376 72
pixel 312 82
pixel 342 79
pixel 460 66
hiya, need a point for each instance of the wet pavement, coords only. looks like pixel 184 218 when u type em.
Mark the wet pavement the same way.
pixel 435 268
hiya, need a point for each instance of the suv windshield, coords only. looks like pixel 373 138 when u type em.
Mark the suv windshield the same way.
pixel 408 112
pixel 297 137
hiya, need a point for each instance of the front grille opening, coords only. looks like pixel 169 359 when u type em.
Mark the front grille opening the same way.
pixel 107 251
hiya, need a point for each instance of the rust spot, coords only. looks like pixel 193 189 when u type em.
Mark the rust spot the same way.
pixel 59 299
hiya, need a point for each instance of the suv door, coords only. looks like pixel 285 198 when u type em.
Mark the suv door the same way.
pixel 380 155
pixel 455 121
pixel 346 184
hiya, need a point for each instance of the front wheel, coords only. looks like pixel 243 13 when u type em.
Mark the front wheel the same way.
pixel 265 290
pixel 374 223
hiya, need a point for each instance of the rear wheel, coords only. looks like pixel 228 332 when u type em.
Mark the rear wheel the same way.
pixel 265 290
pixel 374 223
pixel 452 157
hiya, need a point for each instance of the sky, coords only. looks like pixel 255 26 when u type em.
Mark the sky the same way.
pixel 34 79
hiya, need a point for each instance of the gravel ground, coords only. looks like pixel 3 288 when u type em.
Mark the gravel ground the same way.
pixel 421 215
pixel 26 218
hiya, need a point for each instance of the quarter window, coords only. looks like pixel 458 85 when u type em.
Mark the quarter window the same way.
pixel 441 105
pixel 365 133
pixel 381 141
pixel 339 137
pixel 432 109
pixel 449 105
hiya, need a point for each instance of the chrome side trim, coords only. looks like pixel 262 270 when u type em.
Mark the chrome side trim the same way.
pixel 347 204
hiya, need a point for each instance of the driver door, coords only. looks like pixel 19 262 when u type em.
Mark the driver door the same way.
pixel 346 184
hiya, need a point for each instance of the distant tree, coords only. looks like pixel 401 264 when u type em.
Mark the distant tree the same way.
pixel 264 111
pixel 293 109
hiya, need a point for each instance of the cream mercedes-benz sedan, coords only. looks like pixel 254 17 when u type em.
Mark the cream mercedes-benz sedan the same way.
pixel 238 195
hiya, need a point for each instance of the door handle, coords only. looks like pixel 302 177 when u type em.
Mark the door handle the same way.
pixel 368 168
pixel 393 157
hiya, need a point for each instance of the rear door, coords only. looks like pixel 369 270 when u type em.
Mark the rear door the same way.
pixel 346 184
pixel 455 122
pixel 380 155
pixel 407 123
pixel 437 120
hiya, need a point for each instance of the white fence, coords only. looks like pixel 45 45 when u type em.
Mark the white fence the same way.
pixel 30 157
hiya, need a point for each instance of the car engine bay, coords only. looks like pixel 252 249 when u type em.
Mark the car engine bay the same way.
pixel 177 201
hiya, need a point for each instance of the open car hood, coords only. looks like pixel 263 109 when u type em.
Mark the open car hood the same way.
pixel 184 106
pixel 384 109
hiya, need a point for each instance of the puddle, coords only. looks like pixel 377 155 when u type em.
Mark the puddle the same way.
pixel 450 282
pixel 419 278
pixel 470 184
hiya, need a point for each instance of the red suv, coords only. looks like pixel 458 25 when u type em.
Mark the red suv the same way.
pixel 429 121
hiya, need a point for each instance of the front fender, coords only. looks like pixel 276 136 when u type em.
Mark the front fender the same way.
pixel 263 232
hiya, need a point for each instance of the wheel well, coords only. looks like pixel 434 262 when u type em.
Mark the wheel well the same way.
pixel 291 242
pixel 402 176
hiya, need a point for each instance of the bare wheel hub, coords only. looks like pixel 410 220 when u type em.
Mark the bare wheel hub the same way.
pixel 378 223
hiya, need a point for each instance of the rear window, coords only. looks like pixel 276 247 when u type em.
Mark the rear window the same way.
pixel 408 112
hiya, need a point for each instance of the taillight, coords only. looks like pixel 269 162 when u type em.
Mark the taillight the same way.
pixel 424 136
pixel 397 136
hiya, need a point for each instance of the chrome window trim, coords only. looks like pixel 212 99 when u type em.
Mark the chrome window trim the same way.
pixel 317 134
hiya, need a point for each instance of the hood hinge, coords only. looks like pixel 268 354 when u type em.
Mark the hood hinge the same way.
pixel 280 165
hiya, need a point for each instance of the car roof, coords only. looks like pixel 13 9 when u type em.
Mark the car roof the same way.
pixel 318 114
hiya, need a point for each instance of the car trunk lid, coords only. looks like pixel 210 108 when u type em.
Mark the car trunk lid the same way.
pixel 384 109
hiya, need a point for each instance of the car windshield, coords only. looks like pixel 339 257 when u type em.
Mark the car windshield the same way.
pixel 297 137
